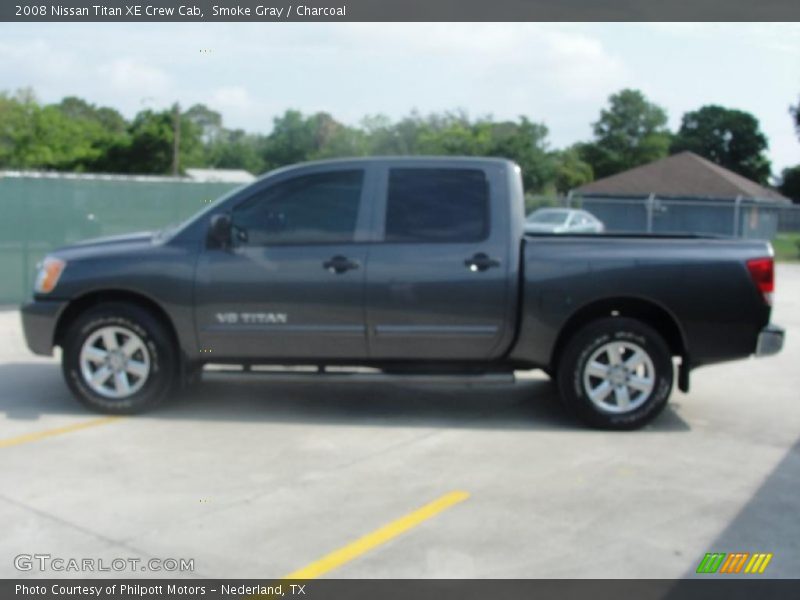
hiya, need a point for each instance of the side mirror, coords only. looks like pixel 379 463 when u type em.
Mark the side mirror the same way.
pixel 219 231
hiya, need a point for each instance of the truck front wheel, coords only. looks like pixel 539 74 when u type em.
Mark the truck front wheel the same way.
pixel 118 359
pixel 616 373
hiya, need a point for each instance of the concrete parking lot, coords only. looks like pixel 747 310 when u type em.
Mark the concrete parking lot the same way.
pixel 258 479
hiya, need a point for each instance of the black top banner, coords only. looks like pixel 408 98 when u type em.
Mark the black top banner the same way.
pixel 400 10
pixel 400 589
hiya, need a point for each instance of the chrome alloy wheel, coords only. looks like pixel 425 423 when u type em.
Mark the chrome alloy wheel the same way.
pixel 619 377
pixel 115 362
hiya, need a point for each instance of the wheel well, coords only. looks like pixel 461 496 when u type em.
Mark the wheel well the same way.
pixel 634 308
pixel 87 301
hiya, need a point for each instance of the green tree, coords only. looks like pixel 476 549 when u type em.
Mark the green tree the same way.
pixel 15 115
pixel 570 170
pixel 221 147
pixel 342 141
pixel 236 149
pixel 790 177
pixel 728 137
pixel 110 119
pixel 790 183
pixel 77 135
pixel 192 149
pixel 149 145
pixel 207 121
pixel 71 135
pixel 524 142
pixel 149 148
pixel 387 138
pixel 450 133
pixel 296 138
pixel 101 128
pixel 632 131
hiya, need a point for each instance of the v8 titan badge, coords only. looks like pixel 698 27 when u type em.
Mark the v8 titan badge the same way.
pixel 251 318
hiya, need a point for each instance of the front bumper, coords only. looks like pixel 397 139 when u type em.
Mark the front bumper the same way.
pixel 39 319
pixel 770 340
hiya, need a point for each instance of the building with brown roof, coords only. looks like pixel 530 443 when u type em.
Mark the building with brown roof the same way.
pixel 683 193
pixel 683 175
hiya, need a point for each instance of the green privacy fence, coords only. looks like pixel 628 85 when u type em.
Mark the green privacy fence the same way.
pixel 39 213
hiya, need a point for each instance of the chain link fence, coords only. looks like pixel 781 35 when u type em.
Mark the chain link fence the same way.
pixel 741 217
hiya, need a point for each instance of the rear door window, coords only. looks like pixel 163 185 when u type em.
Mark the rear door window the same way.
pixel 437 205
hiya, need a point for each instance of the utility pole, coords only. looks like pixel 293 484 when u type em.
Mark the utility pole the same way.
pixel 176 140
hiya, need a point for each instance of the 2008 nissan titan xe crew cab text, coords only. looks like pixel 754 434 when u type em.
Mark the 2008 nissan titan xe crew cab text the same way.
pixel 416 267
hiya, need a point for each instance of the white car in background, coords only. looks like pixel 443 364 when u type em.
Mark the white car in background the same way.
pixel 563 220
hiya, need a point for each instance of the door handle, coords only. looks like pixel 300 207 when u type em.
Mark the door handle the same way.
pixel 340 264
pixel 481 262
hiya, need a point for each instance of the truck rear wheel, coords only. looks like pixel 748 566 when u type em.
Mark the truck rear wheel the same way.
pixel 118 359
pixel 616 373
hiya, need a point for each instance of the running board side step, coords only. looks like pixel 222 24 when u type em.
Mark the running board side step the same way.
pixel 368 377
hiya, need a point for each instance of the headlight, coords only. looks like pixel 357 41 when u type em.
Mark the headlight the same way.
pixel 50 270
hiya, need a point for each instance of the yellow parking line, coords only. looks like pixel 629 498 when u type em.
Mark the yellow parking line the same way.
pixel 39 435
pixel 378 537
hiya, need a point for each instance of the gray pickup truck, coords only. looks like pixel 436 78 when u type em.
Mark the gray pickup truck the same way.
pixel 414 267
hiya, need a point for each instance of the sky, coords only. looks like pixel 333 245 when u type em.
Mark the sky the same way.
pixel 560 74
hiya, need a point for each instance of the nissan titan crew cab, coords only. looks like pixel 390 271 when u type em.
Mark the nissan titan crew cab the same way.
pixel 417 267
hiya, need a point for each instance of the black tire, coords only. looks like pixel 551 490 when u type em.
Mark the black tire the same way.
pixel 161 353
pixel 627 335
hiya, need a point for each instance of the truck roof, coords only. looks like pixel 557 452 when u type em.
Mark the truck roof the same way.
pixel 411 160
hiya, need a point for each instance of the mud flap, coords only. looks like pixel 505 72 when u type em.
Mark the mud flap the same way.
pixel 683 375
